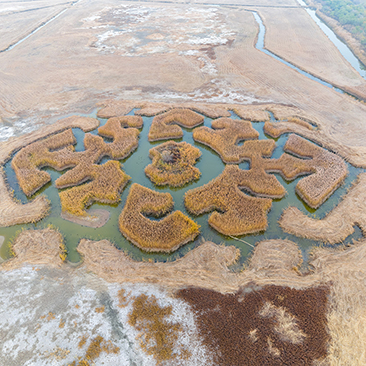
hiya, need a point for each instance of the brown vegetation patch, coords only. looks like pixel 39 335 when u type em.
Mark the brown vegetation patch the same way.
pixel 52 151
pixel 164 126
pixel 157 335
pixel 276 129
pixel 12 212
pixel 112 108
pixel 173 164
pixel 271 325
pixel 125 140
pixel 337 225
pixel 251 113
pixel 224 137
pixel 329 170
pixel 108 180
pixel 165 235
pixel 238 213
pixel 96 347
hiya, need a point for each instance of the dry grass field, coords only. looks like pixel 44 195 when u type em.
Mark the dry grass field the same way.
pixel 294 36
pixel 236 73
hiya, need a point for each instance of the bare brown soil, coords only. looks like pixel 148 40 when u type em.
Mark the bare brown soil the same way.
pixel 338 224
pixel 12 212
pixel 295 37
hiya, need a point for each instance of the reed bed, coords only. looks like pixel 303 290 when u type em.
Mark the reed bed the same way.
pixel 164 126
pixel 270 325
pixel 224 137
pixel 124 132
pixel 277 129
pixel 251 113
pixel 300 122
pixel 165 235
pixel 287 165
pixel 51 151
pixel 330 170
pixel 108 181
pixel 82 162
pixel 236 213
pixel 172 164
pixel 151 110
pixel 211 111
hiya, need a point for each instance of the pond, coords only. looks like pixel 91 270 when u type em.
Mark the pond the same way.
pixel 210 166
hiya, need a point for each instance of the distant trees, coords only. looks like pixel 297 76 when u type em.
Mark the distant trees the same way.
pixel 349 13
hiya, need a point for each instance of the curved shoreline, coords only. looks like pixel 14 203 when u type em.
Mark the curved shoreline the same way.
pixel 12 212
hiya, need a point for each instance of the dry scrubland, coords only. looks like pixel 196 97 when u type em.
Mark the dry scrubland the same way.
pixel 172 164
pixel 165 235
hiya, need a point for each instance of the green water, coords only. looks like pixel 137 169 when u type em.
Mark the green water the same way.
pixel 210 166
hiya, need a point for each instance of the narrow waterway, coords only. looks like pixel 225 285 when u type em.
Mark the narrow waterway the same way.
pixel 37 29
pixel 341 46
pixel 260 46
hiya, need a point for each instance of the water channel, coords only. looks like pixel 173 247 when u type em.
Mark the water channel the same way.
pixel 210 166
pixel 341 46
